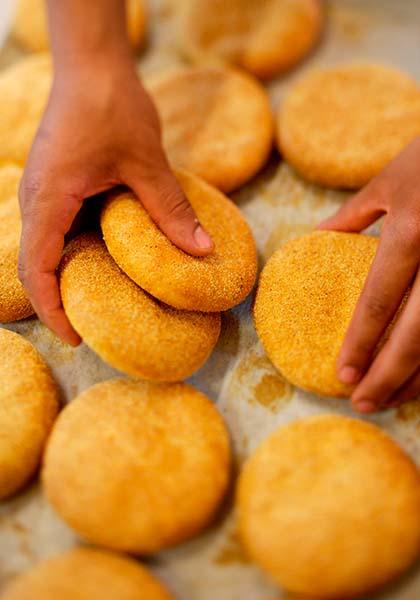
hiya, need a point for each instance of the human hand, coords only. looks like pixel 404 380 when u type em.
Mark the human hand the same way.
pixel 392 376
pixel 100 130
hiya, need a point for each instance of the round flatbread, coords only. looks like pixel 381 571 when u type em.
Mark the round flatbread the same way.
pixel 333 496
pixel 85 574
pixel 28 407
pixel 265 37
pixel 214 283
pixel 30 27
pixel 123 324
pixel 136 466
pixel 306 297
pixel 340 127
pixel 24 91
pixel 14 304
pixel 216 123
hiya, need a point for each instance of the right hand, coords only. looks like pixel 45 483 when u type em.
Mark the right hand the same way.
pixel 100 130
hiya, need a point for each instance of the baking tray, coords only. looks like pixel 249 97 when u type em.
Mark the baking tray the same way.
pixel 253 398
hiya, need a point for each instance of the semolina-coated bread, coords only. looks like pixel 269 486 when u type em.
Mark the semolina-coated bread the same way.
pixel 87 574
pixel 30 27
pixel 129 329
pixel 24 91
pixel 138 467
pixel 329 507
pixel 216 282
pixel 216 122
pixel 14 303
pixel 265 37
pixel 340 127
pixel 306 297
pixel 28 406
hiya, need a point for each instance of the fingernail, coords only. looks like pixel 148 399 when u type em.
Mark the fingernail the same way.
pixel 364 406
pixel 349 375
pixel 202 238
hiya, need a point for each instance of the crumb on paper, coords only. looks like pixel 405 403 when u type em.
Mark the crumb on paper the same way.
pixel 273 392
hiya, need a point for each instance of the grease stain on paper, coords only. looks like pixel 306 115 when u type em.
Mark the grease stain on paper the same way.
pixel 232 551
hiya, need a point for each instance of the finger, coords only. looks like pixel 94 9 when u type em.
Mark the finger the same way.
pixel 50 311
pixel 173 214
pixel 409 391
pixel 44 225
pixel 356 214
pixel 397 361
pixel 390 276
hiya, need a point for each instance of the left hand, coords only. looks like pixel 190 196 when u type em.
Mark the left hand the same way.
pixel 393 375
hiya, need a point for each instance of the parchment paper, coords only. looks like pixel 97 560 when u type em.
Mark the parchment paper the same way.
pixel 253 398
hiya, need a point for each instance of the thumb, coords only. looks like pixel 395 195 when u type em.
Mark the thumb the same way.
pixel 356 214
pixel 170 209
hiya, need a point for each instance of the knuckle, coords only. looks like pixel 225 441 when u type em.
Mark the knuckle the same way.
pixel 24 273
pixel 30 186
pixel 377 308
pixel 30 190
pixel 175 207
pixel 179 209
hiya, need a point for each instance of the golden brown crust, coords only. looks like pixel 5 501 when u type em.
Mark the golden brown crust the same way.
pixel 330 507
pixel 30 24
pixel 167 449
pixel 216 122
pixel 24 90
pixel 14 304
pixel 215 283
pixel 306 296
pixel 87 574
pixel 28 407
pixel 340 127
pixel 128 328
pixel 265 37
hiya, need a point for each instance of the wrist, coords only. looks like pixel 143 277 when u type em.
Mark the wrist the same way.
pixel 87 35
pixel 93 67
pixel 72 62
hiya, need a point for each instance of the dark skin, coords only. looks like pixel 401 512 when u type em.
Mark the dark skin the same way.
pixel 101 129
pixel 393 376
